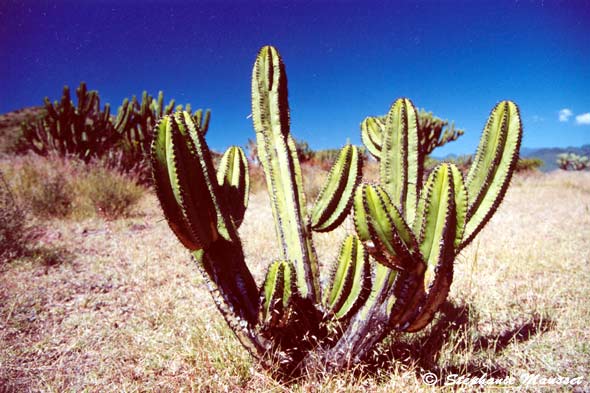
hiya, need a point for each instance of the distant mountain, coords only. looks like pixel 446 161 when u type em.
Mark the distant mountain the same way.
pixel 549 154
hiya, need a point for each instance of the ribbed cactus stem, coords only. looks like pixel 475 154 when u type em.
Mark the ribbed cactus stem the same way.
pixel 277 154
pixel 401 164
pixel 190 197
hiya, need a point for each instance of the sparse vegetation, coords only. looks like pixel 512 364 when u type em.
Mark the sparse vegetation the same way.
pixel 530 164
pixel 12 224
pixel 56 187
pixel 112 194
pixel 43 188
pixel 139 318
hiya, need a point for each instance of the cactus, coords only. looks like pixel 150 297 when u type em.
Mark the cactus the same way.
pixel 135 120
pixel 572 161
pixel 433 132
pixel 83 130
pixel 393 274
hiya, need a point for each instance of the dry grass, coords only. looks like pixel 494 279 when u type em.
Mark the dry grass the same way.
pixel 125 310
pixel 57 187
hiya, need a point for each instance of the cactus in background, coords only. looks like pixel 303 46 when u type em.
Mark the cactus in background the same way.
pixel 83 130
pixel 572 161
pixel 433 132
pixel 393 274
pixel 136 119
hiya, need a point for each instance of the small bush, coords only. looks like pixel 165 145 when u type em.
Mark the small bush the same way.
pixel 67 187
pixel 111 194
pixel 44 189
pixel 12 224
pixel 529 164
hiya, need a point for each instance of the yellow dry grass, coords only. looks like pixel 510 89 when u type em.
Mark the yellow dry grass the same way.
pixel 120 307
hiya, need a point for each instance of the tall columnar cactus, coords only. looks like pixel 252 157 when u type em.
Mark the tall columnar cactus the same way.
pixel 83 130
pixel 393 274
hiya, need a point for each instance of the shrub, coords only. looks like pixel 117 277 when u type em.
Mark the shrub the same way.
pixel 67 187
pixel 112 194
pixel 529 164
pixel 12 223
pixel 44 188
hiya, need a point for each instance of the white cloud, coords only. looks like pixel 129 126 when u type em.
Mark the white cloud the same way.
pixel 565 114
pixel 584 118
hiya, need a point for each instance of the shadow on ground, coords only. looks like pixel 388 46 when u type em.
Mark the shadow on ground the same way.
pixel 455 326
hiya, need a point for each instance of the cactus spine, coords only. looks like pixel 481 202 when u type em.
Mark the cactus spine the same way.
pixel 393 274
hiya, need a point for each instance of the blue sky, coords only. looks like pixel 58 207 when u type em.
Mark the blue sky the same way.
pixel 345 60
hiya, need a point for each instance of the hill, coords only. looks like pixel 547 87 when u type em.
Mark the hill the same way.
pixel 10 122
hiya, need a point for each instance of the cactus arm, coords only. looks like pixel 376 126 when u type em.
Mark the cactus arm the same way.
pixel 189 186
pixel 270 114
pixel 350 279
pixel 236 299
pixel 401 168
pixel 372 134
pixel 335 199
pixel 461 203
pixel 493 166
pixel 437 248
pixel 276 292
pixel 414 162
pixel 234 182
pixel 197 142
pixel 392 170
pixel 202 121
pixel 377 220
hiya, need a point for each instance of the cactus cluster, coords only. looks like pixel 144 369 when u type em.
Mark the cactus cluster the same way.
pixel 391 275
pixel 87 131
pixel 84 130
pixel 136 119
pixel 572 161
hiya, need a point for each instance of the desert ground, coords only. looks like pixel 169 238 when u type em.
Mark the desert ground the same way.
pixel 117 305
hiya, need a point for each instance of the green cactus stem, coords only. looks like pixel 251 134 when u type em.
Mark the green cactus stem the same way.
pixel 350 280
pixel 493 166
pixel 334 200
pixel 190 198
pixel 277 154
pixel 234 180
pixel 276 293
